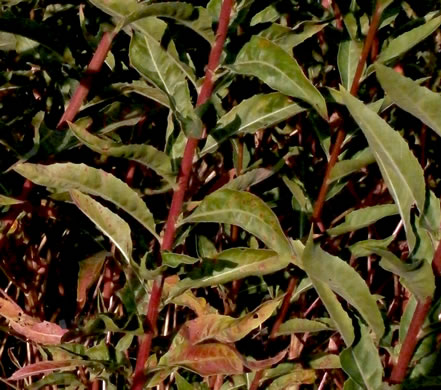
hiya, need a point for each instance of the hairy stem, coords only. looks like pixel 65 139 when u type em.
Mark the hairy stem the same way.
pixel 178 196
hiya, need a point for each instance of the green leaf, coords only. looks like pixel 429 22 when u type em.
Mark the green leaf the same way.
pixel 300 200
pixel 399 167
pixel 8 201
pixel 163 68
pixel 362 363
pixel 227 329
pixel 258 112
pixel 342 321
pixel 268 14
pixel 297 377
pixel 288 38
pixel 68 176
pixel 249 179
pixel 349 53
pixel 140 87
pixel 181 383
pixel 234 264
pixel 361 218
pixel 325 362
pixel 196 18
pixel 152 26
pixel 175 259
pixel 354 164
pixel 245 210
pixel 113 226
pixel 302 325
pixel 144 154
pixel 409 39
pixel 411 97
pixel 365 247
pixel 416 276
pixel 341 278
pixel 275 67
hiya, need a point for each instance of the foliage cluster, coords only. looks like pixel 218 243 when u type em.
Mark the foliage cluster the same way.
pixel 247 198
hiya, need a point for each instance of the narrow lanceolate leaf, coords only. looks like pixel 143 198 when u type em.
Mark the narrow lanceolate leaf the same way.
pixel 88 274
pixel 275 67
pixel 302 325
pixel 140 87
pixel 258 112
pixel 348 57
pixel 195 18
pixel 113 226
pixel 399 167
pixel 68 176
pixel 342 321
pixel 29 327
pixel 247 211
pixel 174 260
pixel 232 264
pixel 361 218
pixel 8 201
pixel 366 247
pixel 416 276
pixel 411 97
pixel 47 367
pixel 346 167
pixel 341 278
pixel 249 179
pixel 227 329
pixel 144 154
pixel 362 362
pixel 409 39
pixel 288 38
pixel 163 69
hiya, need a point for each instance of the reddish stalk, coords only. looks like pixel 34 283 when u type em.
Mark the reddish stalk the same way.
pixel 411 340
pixel 318 207
pixel 285 305
pixel 178 196
pixel 83 89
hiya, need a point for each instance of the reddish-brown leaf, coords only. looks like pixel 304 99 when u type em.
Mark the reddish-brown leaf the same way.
pixel 29 327
pixel 224 328
pixel 256 365
pixel 88 274
pixel 45 368
pixel 209 359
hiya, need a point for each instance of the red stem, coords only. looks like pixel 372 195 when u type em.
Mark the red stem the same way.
pixel 83 89
pixel 178 196
pixel 411 340
pixel 318 207
pixel 285 306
